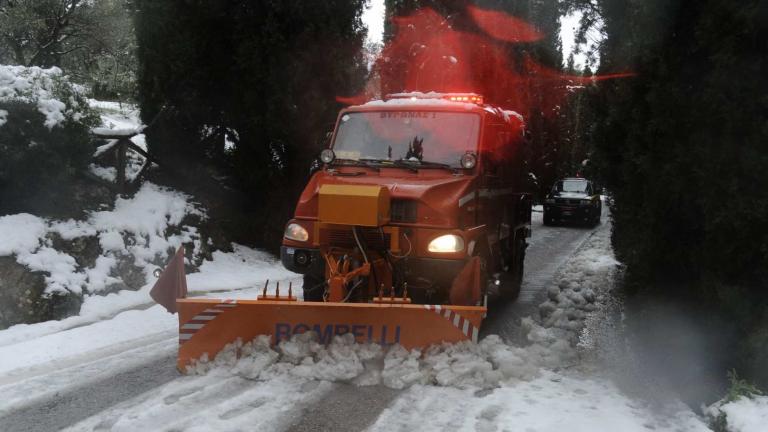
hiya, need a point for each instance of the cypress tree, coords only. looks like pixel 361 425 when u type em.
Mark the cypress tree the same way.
pixel 248 87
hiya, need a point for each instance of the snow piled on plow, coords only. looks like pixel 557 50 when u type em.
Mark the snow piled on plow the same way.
pixel 486 364
pixel 550 343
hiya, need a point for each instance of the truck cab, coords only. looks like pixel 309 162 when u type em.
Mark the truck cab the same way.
pixel 424 192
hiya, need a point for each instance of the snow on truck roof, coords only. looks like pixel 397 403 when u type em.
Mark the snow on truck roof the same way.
pixel 467 101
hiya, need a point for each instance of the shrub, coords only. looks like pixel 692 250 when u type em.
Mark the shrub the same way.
pixel 44 131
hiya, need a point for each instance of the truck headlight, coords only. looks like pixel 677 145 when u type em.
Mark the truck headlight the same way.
pixel 296 232
pixel 327 156
pixel 586 202
pixel 446 244
pixel 549 201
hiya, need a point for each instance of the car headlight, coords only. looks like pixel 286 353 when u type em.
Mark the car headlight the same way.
pixel 446 244
pixel 296 232
pixel 549 201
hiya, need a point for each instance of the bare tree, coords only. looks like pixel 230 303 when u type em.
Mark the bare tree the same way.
pixel 92 40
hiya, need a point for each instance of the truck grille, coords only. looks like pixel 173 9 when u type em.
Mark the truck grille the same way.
pixel 370 237
pixel 403 210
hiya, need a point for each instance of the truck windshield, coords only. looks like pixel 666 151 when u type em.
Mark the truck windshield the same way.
pixel 413 136
pixel 571 186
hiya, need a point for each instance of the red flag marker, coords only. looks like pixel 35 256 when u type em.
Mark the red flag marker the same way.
pixel 172 283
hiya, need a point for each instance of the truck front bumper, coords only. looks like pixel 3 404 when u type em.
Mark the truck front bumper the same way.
pixel 568 212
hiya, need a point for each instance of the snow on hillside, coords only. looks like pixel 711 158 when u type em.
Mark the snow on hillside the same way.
pixel 142 220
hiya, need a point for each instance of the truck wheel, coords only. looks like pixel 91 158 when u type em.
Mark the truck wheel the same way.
pixel 513 279
pixel 548 221
pixel 313 287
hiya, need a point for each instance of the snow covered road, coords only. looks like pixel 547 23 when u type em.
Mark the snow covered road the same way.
pixel 525 380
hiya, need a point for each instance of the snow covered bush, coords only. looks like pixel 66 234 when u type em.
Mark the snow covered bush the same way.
pixel 44 125
pixel 743 409
pixel 49 266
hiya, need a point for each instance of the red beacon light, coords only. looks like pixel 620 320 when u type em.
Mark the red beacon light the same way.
pixel 464 97
pixel 473 98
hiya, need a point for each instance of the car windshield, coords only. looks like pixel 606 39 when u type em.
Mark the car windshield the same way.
pixel 414 136
pixel 571 186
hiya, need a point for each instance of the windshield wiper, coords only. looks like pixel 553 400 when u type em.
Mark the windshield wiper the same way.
pixel 386 162
pixel 368 163
pixel 429 164
pixel 426 164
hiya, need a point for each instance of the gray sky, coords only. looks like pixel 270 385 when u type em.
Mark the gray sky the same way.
pixel 373 18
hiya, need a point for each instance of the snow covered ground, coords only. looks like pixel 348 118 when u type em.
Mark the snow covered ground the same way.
pixel 546 383
pixel 493 385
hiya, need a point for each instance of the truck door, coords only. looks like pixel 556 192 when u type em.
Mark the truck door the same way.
pixel 493 183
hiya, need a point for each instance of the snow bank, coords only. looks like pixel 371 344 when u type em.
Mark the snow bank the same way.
pixel 41 87
pixel 241 268
pixel 240 274
pixel 579 285
pixel 136 226
pixel 551 402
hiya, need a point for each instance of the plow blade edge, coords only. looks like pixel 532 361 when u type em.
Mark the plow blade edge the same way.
pixel 207 325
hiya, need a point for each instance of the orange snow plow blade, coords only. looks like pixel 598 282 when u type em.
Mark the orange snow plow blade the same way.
pixel 207 325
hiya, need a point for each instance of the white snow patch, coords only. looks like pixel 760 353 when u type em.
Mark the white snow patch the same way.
pixel 143 219
pixel 20 233
pixel 243 267
pixel 72 229
pixel 3 117
pixel 62 269
pixel 745 414
pixel 111 241
pixel 550 402
pixel 37 86
pixel 129 132
pixel 107 173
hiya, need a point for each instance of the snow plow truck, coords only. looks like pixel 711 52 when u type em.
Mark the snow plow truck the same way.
pixel 414 218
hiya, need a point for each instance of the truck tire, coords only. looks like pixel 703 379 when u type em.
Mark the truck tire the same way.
pixel 513 279
pixel 548 221
pixel 313 287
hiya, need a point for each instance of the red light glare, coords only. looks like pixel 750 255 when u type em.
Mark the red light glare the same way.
pixel 504 27
pixel 428 54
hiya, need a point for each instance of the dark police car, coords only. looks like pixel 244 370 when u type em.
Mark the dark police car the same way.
pixel 574 199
